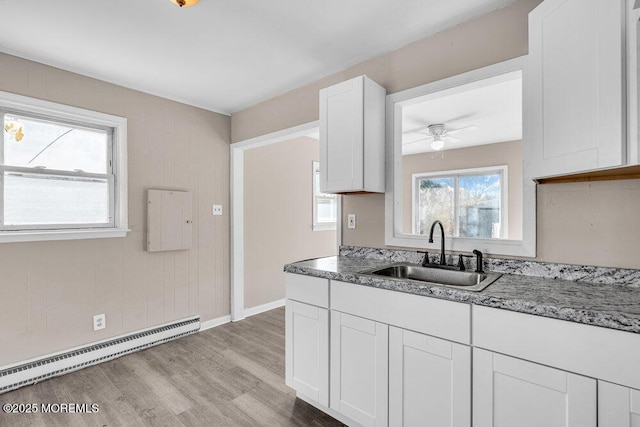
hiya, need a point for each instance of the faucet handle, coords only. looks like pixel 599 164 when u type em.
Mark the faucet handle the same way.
pixel 461 265
pixel 479 263
pixel 425 260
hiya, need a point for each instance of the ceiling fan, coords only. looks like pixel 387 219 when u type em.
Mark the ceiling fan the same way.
pixel 438 134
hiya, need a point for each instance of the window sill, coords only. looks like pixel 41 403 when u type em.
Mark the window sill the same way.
pixel 324 227
pixel 44 235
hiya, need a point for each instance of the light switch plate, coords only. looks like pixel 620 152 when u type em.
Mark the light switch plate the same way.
pixel 217 210
pixel 351 221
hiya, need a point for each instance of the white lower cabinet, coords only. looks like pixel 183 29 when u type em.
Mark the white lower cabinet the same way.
pixel 307 350
pixel 359 369
pixel 511 392
pixel 429 381
pixel 618 406
pixel 354 352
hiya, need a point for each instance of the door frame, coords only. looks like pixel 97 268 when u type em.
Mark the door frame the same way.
pixel 237 207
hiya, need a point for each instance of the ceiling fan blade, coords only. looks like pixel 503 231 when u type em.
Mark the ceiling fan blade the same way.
pixel 417 140
pixel 450 139
pixel 415 133
pixel 462 129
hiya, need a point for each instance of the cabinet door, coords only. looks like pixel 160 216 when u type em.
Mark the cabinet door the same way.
pixel 342 137
pixel 575 89
pixel 618 406
pixel 359 369
pixel 633 86
pixel 307 350
pixel 511 392
pixel 429 381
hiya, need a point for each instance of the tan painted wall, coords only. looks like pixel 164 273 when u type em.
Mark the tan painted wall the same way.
pixel 278 216
pixel 576 223
pixel 593 223
pixel 49 291
pixel 486 40
pixel 504 153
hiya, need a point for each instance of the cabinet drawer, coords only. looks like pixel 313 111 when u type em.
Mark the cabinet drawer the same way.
pixel 307 289
pixel 431 316
pixel 597 352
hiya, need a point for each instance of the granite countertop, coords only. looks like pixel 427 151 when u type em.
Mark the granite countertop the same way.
pixel 606 305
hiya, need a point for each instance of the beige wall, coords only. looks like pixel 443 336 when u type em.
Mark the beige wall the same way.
pixel 49 291
pixel 278 216
pixel 577 223
pixel 492 38
pixel 504 153
pixel 595 223
pixel 580 223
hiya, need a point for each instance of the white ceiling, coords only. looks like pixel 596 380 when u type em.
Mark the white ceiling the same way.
pixel 493 105
pixel 222 55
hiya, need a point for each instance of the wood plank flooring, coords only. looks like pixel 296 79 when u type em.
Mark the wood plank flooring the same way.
pixel 232 375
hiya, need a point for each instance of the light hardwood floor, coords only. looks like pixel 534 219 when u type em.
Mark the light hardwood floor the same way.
pixel 232 375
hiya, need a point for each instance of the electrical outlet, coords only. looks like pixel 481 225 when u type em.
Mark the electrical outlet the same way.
pixel 351 221
pixel 99 322
pixel 217 210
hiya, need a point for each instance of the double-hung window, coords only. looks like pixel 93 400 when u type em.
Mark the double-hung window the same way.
pixel 470 203
pixel 325 206
pixel 62 171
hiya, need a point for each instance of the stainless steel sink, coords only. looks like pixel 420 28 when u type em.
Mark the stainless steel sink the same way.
pixel 437 276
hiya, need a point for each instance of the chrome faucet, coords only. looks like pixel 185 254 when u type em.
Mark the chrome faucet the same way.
pixel 442 255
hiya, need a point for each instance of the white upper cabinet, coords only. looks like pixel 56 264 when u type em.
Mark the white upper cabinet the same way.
pixel 576 86
pixel 633 89
pixel 352 117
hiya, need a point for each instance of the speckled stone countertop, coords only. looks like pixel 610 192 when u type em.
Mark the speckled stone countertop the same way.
pixel 598 304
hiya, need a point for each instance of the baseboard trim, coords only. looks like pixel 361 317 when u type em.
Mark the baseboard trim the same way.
pixel 208 324
pixel 263 307
pixel 40 369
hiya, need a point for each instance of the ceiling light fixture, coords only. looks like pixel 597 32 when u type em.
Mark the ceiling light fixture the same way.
pixel 184 3
pixel 437 143
pixel 437 131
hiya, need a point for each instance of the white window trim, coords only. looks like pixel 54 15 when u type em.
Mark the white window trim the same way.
pixel 504 192
pixel 315 226
pixel 119 155
pixel 394 235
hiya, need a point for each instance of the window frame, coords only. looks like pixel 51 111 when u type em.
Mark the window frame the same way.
pixel 502 170
pixel 116 173
pixel 316 196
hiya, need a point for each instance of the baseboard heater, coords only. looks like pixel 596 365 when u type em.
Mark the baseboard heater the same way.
pixel 59 364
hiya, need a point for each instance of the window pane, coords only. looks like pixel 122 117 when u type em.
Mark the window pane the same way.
pixel 436 200
pixel 327 209
pixel 480 206
pixel 44 200
pixel 32 142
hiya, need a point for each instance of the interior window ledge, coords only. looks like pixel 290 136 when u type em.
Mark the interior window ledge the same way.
pixel 44 235
pixel 324 227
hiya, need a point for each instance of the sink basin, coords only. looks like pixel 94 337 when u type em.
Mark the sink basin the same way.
pixel 437 276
